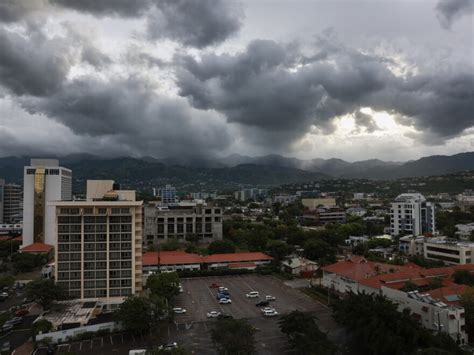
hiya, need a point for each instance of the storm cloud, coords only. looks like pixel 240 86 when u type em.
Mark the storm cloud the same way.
pixel 267 87
pixel 451 10
pixel 129 110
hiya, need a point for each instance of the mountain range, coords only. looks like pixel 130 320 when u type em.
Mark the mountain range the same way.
pixel 235 169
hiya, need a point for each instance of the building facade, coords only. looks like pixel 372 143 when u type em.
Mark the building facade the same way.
pixel 168 194
pixel 412 214
pixel 99 244
pixel 43 181
pixel 12 201
pixel 177 221
pixel 451 252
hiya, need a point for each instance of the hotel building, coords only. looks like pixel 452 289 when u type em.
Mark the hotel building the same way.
pixel 99 243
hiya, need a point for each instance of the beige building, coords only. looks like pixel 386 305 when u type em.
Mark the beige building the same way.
pixel 451 252
pixel 98 249
pixel 176 221
pixel 313 203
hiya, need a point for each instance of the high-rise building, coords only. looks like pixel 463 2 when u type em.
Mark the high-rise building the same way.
pixel 182 219
pixel 43 181
pixel 12 195
pixel 168 194
pixel 99 244
pixel 412 214
pixel 2 192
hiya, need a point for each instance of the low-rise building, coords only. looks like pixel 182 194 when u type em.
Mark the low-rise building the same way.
pixel 299 266
pixel 314 203
pixel 449 251
pixel 354 241
pixel 356 211
pixel 411 245
pixel 179 220
pixel 465 231
pixel 322 216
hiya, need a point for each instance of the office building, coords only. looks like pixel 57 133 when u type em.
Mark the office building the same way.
pixel 412 214
pixel 179 220
pixel 12 201
pixel 451 252
pixel 43 181
pixel 99 244
pixel 168 194
pixel 2 192
pixel 314 203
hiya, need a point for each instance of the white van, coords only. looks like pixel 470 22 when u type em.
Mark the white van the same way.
pixel 253 294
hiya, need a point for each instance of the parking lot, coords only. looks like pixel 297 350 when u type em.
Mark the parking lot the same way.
pixel 198 298
pixel 192 330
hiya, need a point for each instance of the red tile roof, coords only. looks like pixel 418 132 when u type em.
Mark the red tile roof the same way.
pixel 170 258
pixel 443 292
pixel 236 257
pixel 37 248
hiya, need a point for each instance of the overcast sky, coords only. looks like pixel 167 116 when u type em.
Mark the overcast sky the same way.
pixel 352 79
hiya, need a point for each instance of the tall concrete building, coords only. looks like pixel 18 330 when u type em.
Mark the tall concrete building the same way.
pixel 99 244
pixel 12 201
pixel 43 181
pixel 2 193
pixel 412 214
pixel 177 221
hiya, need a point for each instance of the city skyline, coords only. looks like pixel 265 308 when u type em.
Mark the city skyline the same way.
pixel 308 79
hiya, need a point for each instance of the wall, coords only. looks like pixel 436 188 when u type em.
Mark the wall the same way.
pixel 62 335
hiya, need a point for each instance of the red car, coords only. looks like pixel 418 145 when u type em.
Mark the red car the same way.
pixel 21 312
pixel 214 285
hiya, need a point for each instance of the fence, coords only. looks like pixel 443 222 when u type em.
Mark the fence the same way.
pixel 67 334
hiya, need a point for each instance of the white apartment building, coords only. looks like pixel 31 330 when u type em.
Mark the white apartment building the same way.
pixel 98 248
pixel 451 252
pixel 178 220
pixel 43 181
pixel 411 213
pixel 431 313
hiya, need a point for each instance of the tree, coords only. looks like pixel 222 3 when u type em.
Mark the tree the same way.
pixel 6 281
pixel 27 262
pixel 135 314
pixel 192 238
pixel 41 326
pixel 320 251
pixel 233 336
pixel 304 334
pixel 44 292
pixel 277 249
pixel 221 246
pixel 463 277
pixel 165 285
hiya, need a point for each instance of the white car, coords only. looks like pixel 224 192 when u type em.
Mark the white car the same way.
pixel 222 288
pixel 4 294
pixel 270 298
pixel 225 300
pixel 179 310
pixel 253 294
pixel 270 313
pixel 180 288
pixel 267 309
pixel 168 347
pixel 213 314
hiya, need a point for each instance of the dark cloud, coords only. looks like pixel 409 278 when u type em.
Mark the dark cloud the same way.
pixel 122 8
pixel 33 64
pixel 16 10
pixel 194 23
pixel 129 111
pixel 449 11
pixel 365 120
pixel 268 88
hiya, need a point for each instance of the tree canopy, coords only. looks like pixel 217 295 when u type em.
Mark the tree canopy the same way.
pixel 165 285
pixel 44 292
pixel 233 336
pixel 135 314
pixel 304 334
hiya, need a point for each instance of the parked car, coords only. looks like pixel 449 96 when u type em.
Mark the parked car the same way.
pixel 213 314
pixel 21 312
pixel 221 295
pixel 14 321
pixel 180 288
pixel 225 300
pixel 214 285
pixel 222 289
pixel 262 303
pixel 4 294
pixel 224 316
pixel 179 310
pixel 7 327
pixel 270 313
pixel 253 294
pixel 169 346
pixel 267 309
pixel 5 347
pixel 270 298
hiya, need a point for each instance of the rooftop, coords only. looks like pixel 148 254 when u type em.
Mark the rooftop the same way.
pixel 37 248
pixel 181 257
